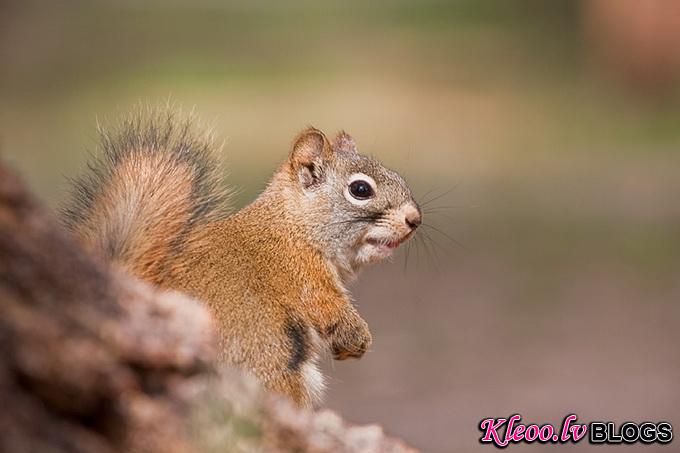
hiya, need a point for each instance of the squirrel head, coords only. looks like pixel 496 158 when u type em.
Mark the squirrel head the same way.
pixel 352 208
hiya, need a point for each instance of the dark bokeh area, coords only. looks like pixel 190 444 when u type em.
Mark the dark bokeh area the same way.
pixel 542 138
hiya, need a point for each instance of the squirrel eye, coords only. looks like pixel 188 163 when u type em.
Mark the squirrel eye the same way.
pixel 361 190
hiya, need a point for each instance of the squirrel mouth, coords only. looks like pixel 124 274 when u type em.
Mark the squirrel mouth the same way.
pixel 389 244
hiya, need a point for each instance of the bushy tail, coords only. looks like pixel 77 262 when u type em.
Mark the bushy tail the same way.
pixel 152 185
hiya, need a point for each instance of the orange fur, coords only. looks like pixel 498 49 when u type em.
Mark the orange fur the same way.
pixel 272 274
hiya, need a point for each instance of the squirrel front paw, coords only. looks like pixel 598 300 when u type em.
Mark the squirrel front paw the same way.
pixel 349 338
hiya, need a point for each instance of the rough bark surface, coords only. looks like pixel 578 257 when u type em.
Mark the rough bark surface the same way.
pixel 92 360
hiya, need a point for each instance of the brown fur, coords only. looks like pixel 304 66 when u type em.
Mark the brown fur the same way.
pixel 153 183
pixel 278 280
pixel 269 273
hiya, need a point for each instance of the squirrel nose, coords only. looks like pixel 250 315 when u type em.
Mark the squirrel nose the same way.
pixel 413 218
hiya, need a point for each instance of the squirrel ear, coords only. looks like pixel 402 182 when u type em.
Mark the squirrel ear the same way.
pixel 344 142
pixel 310 149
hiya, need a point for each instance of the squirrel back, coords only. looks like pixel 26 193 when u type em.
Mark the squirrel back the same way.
pixel 148 190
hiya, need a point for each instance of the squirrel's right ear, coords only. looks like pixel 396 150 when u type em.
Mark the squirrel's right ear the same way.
pixel 310 150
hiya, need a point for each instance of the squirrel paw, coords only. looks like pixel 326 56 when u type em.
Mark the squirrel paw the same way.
pixel 349 338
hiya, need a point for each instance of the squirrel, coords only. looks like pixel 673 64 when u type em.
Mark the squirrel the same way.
pixel 273 274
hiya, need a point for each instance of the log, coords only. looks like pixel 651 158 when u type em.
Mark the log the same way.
pixel 94 360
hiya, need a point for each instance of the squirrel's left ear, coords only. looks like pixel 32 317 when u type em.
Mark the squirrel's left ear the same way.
pixel 344 142
pixel 311 150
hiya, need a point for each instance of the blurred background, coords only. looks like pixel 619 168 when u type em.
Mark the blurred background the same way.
pixel 544 134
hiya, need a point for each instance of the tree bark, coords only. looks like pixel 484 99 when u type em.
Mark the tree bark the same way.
pixel 93 360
